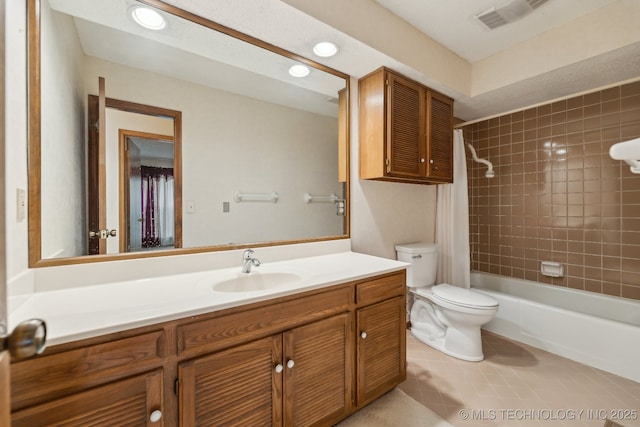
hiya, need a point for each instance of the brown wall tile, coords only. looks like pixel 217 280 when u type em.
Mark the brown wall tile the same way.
pixel 557 194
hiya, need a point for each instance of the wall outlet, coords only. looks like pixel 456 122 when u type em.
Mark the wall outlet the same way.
pixel 21 203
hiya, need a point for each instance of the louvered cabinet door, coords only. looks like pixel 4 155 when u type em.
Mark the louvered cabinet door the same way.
pixel 136 401
pixel 440 137
pixel 405 128
pixel 318 372
pixel 235 387
pixel 380 349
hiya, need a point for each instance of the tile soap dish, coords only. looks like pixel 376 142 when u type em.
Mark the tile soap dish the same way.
pixel 551 269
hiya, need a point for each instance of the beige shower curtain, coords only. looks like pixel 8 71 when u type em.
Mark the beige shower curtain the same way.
pixel 452 222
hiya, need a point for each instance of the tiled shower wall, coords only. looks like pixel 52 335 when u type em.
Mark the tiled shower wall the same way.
pixel 557 195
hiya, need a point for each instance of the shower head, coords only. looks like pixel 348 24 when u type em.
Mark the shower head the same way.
pixel 489 173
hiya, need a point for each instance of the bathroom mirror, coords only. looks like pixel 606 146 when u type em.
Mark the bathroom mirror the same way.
pixel 245 153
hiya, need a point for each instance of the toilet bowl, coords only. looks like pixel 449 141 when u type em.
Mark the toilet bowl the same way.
pixel 445 317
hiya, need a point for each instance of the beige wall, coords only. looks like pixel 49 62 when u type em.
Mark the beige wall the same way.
pixel 63 137
pixel 380 29
pixel 16 132
pixel 384 214
pixel 605 30
pixel 557 195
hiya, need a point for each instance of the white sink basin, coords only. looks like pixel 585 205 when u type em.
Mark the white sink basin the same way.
pixel 256 281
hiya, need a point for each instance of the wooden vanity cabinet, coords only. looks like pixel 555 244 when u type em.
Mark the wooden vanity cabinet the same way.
pixel 132 401
pixel 380 349
pixel 297 360
pixel 232 387
pixel 381 336
pixel 405 130
pixel 301 377
pixel 93 382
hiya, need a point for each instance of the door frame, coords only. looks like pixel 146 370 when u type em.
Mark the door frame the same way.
pixel 125 167
pixel 149 110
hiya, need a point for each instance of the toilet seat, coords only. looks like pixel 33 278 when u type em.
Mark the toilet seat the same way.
pixel 459 297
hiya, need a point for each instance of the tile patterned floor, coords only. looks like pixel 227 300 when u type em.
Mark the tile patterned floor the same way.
pixel 517 385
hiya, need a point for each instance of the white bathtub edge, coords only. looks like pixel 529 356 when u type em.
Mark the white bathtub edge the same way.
pixel 600 343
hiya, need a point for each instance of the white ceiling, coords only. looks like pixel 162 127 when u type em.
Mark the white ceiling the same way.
pixel 194 53
pixel 602 53
pixel 451 22
pixel 295 25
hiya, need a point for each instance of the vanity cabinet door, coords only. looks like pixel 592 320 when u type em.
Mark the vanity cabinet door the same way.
pixel 381 348
pixel 318 372
pixel 236 387
pixel 303 374
pixel 136 401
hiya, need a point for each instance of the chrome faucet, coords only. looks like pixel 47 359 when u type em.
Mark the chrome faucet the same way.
pixel 248 260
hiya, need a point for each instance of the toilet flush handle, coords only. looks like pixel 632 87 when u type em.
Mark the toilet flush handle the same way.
pixel 416 256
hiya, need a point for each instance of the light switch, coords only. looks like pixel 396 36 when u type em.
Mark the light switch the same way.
pixel 21 201
pixel 191 206
pixel 225 207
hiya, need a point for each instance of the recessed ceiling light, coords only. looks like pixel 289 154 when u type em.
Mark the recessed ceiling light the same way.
pixel 325 49
pixel 148 18
pixel 299 70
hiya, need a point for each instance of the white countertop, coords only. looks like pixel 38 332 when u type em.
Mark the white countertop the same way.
pixel 84 312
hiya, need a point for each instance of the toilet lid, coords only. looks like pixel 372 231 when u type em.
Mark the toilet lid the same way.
pixel 462 296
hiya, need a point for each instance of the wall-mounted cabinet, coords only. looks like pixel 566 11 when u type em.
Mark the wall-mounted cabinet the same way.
pixel 405 130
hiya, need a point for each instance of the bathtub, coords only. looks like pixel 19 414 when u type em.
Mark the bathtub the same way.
pixel 594 329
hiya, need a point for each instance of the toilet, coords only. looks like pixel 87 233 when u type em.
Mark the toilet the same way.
pixel 445 317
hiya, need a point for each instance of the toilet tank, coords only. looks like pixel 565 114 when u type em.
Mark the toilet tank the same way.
pixel 423 258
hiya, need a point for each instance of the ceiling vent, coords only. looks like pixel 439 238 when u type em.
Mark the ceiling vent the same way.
pixel 495 17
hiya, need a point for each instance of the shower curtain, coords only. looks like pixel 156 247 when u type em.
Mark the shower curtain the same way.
pixel 452 222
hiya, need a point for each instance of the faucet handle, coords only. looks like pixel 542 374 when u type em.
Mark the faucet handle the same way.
pixel 248 253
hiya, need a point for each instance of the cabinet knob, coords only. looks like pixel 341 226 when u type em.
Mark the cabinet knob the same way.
pixel 290 364
pixel 363 335
pixel 421 160
pixel 279 368
pixel 155 416
pixel 431 161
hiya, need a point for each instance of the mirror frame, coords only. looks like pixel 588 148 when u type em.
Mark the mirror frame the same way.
pixel 34 141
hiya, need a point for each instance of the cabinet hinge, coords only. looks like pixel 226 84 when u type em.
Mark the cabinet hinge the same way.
pixel 176 386
pixel 386 163
pixel 386 82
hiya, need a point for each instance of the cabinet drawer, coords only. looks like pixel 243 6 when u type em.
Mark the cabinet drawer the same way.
pixel 125 402
pixel 381 288
pixel 227 330
pixel 49 377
